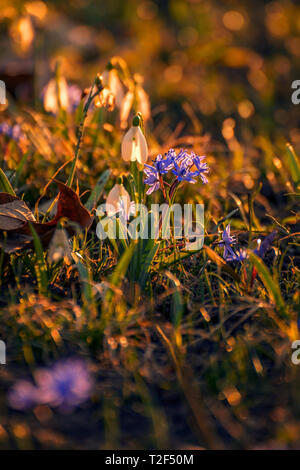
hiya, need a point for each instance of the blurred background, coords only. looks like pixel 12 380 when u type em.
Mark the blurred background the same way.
pixel 219 76
pixel 203 61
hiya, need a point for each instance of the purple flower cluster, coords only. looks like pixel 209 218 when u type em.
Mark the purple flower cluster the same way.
pixel 65 385
pixel 240 254
pixel 12 132
pixel 181 166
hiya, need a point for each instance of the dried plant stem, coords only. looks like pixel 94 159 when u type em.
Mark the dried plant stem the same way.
pixel 81 129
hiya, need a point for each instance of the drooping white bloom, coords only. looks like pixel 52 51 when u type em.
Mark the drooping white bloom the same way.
pixel 126 106
pixel 56 95
pixel 22 33
pixel 117 193
pixel 112 81
pixel 143 103
pixel 134 146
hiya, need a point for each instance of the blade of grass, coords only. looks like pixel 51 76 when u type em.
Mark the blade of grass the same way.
pixel 293 162
pixel 97 191
pixel 270 284
pixel 41 267
pixel 5 184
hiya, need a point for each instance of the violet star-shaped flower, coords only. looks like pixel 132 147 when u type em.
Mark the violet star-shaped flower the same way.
pixel 202 167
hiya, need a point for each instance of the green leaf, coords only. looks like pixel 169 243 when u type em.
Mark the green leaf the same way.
pixel 5 184
pixel 147 258
pixel 97 191
pixel 270 284
pixel 293 162
pixel 40 267
pixel 178 302
pixel 122 266
pixel 87 292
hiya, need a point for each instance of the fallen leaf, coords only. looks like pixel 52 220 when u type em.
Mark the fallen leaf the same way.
pixel 14 213
pixel 16 217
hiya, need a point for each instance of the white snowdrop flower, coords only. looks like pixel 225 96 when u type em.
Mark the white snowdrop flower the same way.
pixel 134 146
pixel 113 200
pixel 112 81
pixel 52 95
pixel 126 108
pixel 143 103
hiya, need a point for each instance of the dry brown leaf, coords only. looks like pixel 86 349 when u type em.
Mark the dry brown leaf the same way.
pixel 16 217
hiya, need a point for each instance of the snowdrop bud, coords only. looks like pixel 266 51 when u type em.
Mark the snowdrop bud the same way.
pixel 115 194
pixel 134 146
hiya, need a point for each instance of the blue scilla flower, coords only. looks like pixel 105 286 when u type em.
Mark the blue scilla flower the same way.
pixel 184 162
pixel 161 165
pixel 184 173
pixel 65 385
pixel 202 167
pixel 164 163
pixel 152 178
pixel 262 247
pixel 182 166
pixel 13 132
pixel 239 256
pixel 23 395
pixel 227 241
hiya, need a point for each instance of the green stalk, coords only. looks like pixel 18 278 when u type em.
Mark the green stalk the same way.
pixel 81 127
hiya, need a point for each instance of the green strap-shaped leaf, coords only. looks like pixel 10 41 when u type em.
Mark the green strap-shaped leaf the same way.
pixel 294 164
pixel 97 191
pixel 270 284
pixel 5 184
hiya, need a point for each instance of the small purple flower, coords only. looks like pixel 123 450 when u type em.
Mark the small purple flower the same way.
pixel 229 254
pixel 202 168
pixel 227 238
pixel 164 163
pixel 183 172
pixel 239 256
pixel 183 163
pixel 13 132
pixel 180 165
pixel 161 165
pixel 152 178
pixel 227 241
pixel 65 385
pixel 182 157
pixel 23 395
pixel 262 247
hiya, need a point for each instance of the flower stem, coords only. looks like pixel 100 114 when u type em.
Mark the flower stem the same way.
pixel 81 130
